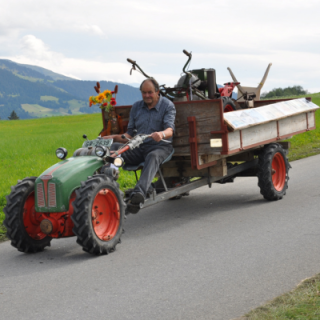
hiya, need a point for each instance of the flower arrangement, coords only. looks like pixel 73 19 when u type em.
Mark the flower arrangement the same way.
pixel 103 99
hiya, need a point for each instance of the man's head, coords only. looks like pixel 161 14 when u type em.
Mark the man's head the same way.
pixel 150 92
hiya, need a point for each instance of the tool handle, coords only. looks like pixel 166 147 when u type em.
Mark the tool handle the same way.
pixel 186 53
pixel 131 61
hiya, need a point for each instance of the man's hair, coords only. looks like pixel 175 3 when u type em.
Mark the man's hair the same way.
pixel 154 82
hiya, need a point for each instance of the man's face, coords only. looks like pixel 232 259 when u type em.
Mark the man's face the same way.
pixel 149 95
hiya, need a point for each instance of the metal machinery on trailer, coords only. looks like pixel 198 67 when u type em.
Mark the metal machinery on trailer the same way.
pixel 79 196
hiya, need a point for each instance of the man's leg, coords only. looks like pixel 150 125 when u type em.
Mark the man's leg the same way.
pixel 155 156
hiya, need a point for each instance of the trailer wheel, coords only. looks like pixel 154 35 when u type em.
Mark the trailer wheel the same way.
pixel 228 104
pixel 273 171
pixel 98 216
pixel 21 219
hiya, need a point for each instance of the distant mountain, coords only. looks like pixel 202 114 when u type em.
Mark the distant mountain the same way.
pixel 33 92
pixel 46 72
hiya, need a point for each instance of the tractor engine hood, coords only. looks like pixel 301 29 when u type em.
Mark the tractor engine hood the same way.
pixel 54 186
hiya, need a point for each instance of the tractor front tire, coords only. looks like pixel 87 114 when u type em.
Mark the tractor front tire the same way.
pixel 273 168
pixel 98 216
pixel 21 220
pixel 228 104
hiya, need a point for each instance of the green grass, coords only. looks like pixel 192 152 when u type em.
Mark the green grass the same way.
pixel 75 105
pixel 49 98
pixel 41 112
pixel 308 143
pixel 302 303
pixel 32 79
pixel 35 109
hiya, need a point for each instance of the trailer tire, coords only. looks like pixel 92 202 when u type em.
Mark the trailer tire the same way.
pixel 21 220
pixel 273 168
pixel 98 216
pixel 228 104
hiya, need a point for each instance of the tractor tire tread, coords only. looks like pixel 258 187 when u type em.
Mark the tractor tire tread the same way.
pixel 264 172
pixel 86 236
pixel 13 219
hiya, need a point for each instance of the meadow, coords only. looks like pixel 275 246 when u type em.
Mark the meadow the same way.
pixel 28 146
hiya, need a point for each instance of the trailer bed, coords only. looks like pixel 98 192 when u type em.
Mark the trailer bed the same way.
pixel 205 138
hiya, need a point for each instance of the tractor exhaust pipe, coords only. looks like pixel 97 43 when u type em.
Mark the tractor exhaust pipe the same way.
pixel 212 85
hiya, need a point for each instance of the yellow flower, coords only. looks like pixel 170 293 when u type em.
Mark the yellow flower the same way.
pixel 100 97
pixel 108 94
pixel 92 100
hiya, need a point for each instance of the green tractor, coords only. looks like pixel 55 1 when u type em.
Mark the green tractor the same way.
pixel 78 196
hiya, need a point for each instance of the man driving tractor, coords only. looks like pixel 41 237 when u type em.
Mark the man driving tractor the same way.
pixel 154 115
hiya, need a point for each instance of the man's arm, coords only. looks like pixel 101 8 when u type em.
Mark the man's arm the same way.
pixel 165 134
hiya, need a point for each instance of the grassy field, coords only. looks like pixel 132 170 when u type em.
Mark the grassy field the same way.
pixel 37 110
pixel 49 98
pixel 302 303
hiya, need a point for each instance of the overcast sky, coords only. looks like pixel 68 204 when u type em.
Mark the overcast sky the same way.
pixel 90 40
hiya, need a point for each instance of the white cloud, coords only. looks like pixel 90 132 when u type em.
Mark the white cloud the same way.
pixel 91 29
pixel 69 37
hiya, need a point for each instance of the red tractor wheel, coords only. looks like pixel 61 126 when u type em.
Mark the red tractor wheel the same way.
pixel 228 104
pixel 98 216
pixel 22 221
pixel 273 171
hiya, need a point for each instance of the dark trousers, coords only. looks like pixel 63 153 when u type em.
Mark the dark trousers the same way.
pixel 152 155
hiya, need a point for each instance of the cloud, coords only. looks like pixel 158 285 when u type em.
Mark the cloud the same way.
pixel 91 29
pixel 68 36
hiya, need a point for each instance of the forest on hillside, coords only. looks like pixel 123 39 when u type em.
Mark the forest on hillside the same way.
pixel 284 92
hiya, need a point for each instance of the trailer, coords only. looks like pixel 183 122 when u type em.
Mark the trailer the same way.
pixel 211 146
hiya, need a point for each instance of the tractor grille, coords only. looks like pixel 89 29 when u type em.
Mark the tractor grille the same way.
pixel 40 195
pixel 52 195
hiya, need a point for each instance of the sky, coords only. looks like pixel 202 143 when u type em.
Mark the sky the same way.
pixel 91 40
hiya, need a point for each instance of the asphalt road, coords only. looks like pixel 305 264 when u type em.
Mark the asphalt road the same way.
pixel 213 255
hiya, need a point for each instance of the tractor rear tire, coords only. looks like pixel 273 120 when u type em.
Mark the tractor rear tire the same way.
pixel 273 168
pixel 228 104
pixel 98 216
pixel 21 220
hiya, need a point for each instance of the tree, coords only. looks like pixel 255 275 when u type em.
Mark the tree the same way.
pixel 285 92
pixel 13 116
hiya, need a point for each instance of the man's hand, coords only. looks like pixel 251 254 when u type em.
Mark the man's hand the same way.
pixel 157 136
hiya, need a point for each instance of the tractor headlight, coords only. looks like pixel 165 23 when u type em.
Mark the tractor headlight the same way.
pixel 61 153
pixel 118 162
pixel 100 151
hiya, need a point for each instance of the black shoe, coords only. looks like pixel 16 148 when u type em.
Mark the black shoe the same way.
pixel 132 208
pixel 134 204
pixel 137 198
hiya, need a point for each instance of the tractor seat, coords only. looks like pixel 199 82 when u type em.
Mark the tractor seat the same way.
pixel 135 167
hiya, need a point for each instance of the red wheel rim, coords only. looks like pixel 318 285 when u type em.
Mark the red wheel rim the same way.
pixel 228 108
pixel 105 215
pixel 31 219
pixel 278 171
